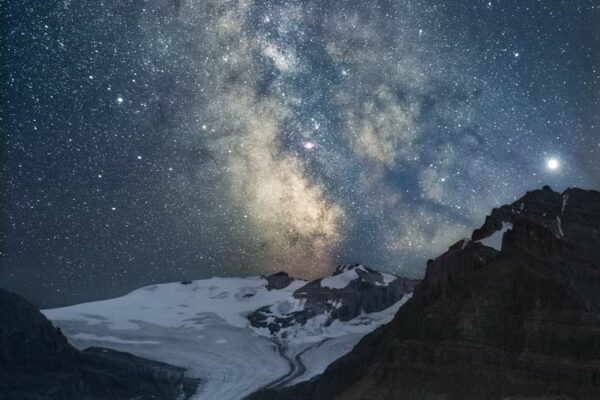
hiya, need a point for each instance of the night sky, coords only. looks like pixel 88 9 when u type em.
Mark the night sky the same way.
pixel 152 141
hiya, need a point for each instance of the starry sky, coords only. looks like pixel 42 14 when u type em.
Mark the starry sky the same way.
pixel 160 140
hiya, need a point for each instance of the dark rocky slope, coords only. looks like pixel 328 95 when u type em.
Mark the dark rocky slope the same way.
pixel 351 290
pixel 278 280
pixel 520 323
pixel 37 363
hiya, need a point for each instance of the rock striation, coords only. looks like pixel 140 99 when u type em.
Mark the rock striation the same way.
pixel 518 322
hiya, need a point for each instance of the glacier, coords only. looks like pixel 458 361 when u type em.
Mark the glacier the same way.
pixel 202 325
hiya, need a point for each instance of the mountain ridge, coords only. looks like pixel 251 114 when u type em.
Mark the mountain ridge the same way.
pixel 350 290
pixel 518 322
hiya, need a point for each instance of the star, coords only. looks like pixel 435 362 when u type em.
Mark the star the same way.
pixel 303 133
pixel 552 164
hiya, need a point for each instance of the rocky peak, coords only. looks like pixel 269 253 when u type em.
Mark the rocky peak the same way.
pixel 352 289
pixel 340 269
pixel 518 321
pixel 552 210
pixel 278 280
pixel 548 226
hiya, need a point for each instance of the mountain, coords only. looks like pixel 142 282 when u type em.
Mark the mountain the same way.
pixel 37 363
pixel 511 313
pixel 351 291
pixel 241 334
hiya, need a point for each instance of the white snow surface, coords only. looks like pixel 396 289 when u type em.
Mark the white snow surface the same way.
pixel 387 278
pixel 340 280
pixel 110 339
pixel 202 326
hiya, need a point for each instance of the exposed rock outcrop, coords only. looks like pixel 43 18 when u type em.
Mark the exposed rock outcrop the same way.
pixel 522 322
pixel 37 363
pixel 351 290
pixel 278 280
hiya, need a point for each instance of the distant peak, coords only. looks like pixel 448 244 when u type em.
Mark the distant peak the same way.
pixel 349 267
pixel 278 280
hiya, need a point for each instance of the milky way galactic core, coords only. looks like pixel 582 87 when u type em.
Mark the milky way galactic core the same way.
pixel 162 140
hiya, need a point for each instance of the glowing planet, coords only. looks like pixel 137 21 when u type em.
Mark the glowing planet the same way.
pixel 552 164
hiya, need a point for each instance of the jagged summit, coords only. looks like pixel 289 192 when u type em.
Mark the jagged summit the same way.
pixel 348 267
pixel 351 290
pixel 354 274
pixel 547 207
pixel 545 223
pixel 517 320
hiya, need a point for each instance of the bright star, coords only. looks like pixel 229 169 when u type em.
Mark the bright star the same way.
pixel 552 164
pixel 308 145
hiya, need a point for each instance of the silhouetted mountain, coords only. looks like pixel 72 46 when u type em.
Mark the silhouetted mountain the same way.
pixel 37 363
pixel 519 321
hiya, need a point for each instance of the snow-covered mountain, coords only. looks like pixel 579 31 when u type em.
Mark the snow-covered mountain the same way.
pixel 333 306
pixel 204 325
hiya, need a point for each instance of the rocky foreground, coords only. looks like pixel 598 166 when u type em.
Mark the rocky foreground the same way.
pixel 521 321
pixel 37 363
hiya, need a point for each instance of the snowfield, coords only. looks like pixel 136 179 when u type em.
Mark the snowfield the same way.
pixel 340 281
pixel 202 326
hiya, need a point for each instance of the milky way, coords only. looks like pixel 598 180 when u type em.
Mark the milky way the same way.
pixel 152 141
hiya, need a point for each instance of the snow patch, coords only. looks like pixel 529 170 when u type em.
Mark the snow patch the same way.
pixel 565 199
pixel 341 280
pixel 387 279
pixel 561 234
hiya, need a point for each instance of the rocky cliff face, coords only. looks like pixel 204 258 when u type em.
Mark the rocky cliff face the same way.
pixel 37 363
pixel 351 290
pixel 518 322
